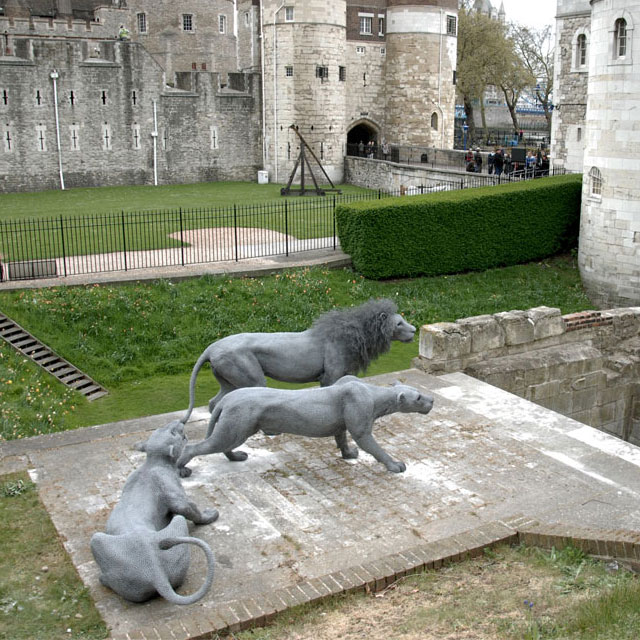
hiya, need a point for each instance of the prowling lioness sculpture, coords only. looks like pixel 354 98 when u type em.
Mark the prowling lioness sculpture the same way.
pixel 144 550
pixel 340 342
pixel 348 406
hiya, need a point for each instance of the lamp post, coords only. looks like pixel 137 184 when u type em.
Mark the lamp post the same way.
pixel 54 76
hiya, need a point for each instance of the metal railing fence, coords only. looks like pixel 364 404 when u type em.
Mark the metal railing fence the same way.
pixel 123 241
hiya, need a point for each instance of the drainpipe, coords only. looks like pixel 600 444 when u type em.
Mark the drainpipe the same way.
pixel 264 103
pixel 154 135
pixel 275 90
pixel 54 76
pixel 440 84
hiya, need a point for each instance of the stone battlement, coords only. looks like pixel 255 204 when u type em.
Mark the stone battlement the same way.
pixel 584 365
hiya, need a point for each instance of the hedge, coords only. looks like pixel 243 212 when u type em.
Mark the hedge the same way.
pixel 467 230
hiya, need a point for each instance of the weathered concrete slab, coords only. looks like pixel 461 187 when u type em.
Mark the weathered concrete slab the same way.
pixel 296 519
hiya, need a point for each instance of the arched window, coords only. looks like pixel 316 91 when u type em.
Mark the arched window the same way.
pixel 581 50
pixel 620 38
pixel 434 121
pixel 595 180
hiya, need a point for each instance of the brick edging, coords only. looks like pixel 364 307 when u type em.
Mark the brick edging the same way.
pixel 379 574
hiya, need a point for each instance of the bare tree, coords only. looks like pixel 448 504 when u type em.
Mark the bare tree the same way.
pixel 535 50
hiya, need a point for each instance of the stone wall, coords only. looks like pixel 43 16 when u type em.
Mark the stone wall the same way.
pixel 392 176
pixel 570 82
pixel 106 94
pixel 584 365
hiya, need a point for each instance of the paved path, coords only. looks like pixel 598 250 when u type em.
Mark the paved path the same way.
pixel 298 522
pixel 332 258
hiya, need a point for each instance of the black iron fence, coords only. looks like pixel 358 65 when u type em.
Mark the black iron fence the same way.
pixel 66 245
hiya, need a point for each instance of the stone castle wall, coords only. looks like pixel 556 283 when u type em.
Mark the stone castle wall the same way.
pixel 421 59
pixel 570 80
pixel 106 92
pixel 609 252
pixel 584 365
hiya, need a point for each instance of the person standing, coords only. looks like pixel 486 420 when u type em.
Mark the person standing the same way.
pixel 491 162
pixel 498 162
pixel 477 158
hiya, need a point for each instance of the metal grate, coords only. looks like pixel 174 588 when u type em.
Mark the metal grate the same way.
pixel 71 376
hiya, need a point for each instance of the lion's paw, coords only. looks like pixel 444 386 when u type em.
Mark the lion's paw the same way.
pixel 209 516
pixel 350 453
pixel 236 456
pixel 396 467
pixel 185 472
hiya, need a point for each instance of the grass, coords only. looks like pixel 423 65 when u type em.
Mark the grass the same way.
pixel 516 593
pixel 74 202
pixel 55 224
pixel 141 340
pixel 41 595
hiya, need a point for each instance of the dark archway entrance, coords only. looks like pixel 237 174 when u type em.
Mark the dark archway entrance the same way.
pixel 359 137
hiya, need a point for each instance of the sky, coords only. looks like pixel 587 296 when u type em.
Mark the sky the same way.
pixel 529 13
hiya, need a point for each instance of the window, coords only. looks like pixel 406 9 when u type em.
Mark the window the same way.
pixel 579 134
pixel 383 51
pixel 595 179
pixel 434 121
pixel 288 71
pixel 380 25
pixel 74 137
pixel 342 73
pixel 7 138
pixel 222 23
pixel 366 25
pixel 214 137
pixel 106 137
pixel 187 22
pixel 451 25
pixel 288 14
pixel 41 133
pixel 620 38
pixel 360 50
pixel 322 73
pixel 581 50
pixel 142 22
pixel 246 19
pixel 135 133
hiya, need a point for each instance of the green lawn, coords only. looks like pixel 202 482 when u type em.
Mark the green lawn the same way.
pixel 104 200
pixel 141 340
pixel 54 224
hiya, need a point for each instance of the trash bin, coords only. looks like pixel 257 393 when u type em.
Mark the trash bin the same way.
pixel 263 177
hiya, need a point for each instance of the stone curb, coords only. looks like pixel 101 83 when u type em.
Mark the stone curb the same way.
pixel 619 544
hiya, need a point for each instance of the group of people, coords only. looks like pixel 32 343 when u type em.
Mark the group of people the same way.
pixel 499 162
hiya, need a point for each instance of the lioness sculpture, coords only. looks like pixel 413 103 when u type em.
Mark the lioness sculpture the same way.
pixel 340 342
pixel 348 405
pixel 144 550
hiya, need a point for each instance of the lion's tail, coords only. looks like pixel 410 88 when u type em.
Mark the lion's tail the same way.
pixel 163 586
pixel 192 383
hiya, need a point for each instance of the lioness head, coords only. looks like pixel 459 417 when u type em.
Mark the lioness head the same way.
pixel 166 441
pixel 410 400
pixel 402 330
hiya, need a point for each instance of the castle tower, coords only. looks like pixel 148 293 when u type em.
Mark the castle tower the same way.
pixel 420 68
pixel 304 51
pixel 609 255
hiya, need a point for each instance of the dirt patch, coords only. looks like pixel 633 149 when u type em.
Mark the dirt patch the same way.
pixel 509 594
pixel 226 236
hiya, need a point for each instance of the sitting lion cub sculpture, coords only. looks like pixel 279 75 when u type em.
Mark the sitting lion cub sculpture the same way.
pixel 144 550
pixel 349 405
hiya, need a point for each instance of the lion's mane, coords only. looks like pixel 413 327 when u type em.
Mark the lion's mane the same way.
pixel 363 332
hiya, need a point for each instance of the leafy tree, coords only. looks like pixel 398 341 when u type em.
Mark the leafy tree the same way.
pixel 484 56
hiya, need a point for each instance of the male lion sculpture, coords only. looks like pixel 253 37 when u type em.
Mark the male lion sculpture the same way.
pixel 339 342
pixel 144 550
pixel 349 405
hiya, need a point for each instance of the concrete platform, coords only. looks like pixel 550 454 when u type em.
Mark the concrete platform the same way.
pixel 298 523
